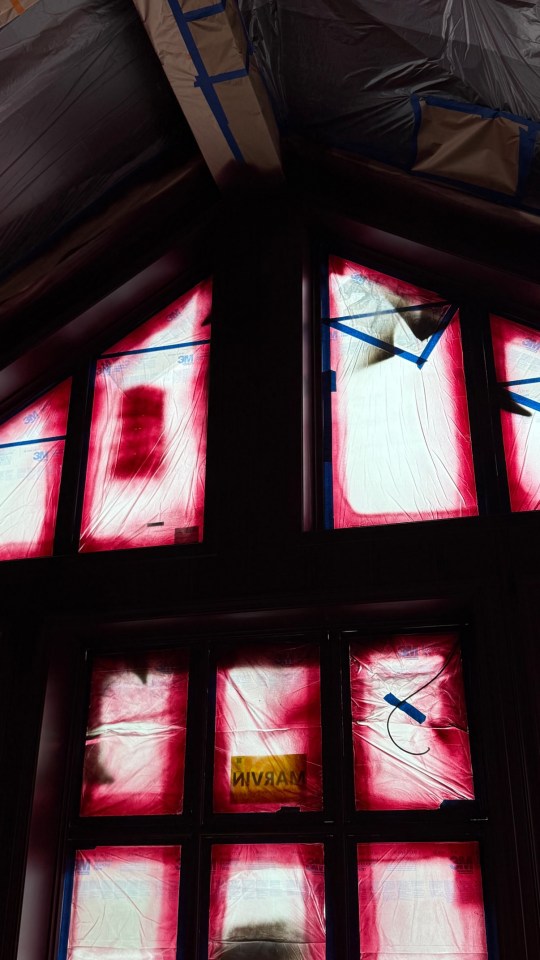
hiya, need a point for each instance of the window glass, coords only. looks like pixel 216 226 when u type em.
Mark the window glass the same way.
pixel 146 460
pixel 517 363
pixel 268 730
pixel 397 437
pixel 31 455
pixel 267 901
pixel 125 904
pixel 421 900
pixel 135 744
pixel 409 723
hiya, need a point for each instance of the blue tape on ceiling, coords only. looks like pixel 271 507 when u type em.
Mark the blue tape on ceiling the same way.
pixel 204 82
pixel 405 707
pixel 171 346
pixel 203 12
pixel 25 443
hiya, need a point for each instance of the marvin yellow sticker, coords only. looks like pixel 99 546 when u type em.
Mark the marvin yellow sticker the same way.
pixel 258 779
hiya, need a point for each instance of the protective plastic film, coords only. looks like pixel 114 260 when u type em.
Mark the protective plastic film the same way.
pixel 146 462
pixel 31 457
pixel 420 901
pixel 409 723
pixel 397 437
pixel 267 901
pixel 268 730
pixel 517 363
pixel 125 904
pixel 135 744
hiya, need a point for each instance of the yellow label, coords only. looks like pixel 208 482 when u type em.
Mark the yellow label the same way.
pixel 279 779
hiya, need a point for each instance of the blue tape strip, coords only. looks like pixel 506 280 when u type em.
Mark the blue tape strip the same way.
pixel 524 401
pixel 406 707
pixel 328 486
pixel 66 909
pixel 172 346
pixel 382 344
pixel 435 337
pixel 515 383
pixel 333 386
pixel 25 443
pixel 204 82
pixel 204 12
pixel 477 109
pixel 223 77
pixel 378 313
pixel 328 496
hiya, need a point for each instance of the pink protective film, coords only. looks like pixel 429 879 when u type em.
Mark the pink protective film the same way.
pixel 267 900
pixel 146 461
pixel 135 744
pixel 421 901
pixel 517 363
pixel 31 456
pixel 400 445
pixel 125 904
pixel 417 755
pixel 268 730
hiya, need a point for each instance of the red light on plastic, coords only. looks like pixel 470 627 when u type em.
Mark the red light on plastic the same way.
pixel 135 745
pixel 417 755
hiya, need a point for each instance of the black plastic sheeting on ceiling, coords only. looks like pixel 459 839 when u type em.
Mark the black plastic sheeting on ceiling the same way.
pixel 85 109
pixel 343 71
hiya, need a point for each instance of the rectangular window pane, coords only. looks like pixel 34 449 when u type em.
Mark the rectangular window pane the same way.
pixel 31 456
pixel 268 730
pixel 517 363
pixel 125 904
pixel 267 900
pixel 147 452
pixel 135 744
pixel 420 901
pixel 397 436
pixel 409 723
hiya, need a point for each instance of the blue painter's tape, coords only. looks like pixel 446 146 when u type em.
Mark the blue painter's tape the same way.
pixel 328 497
pixel 171 346
pixel 333 386
pixel 203 12
pixel 204 82
pixel 66 909
pixel 406 707
pixel 434 339
pixel 373 341
pixel 378 313
pixel 524 401
pixel 26 443
pixel 515 383
pixel 223 77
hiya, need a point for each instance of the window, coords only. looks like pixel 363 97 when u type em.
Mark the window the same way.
pixel 397 442
pixel 259 868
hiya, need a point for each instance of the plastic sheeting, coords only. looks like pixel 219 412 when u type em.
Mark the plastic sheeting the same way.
pixel 421 901
pixel 31 456
pixel 267 902
pixel 147 453
pixel 397 427
pixel 517 364
pixel 411 745
pixel 346 72
pixel 125 904
pixel 268 730
pixel 135 743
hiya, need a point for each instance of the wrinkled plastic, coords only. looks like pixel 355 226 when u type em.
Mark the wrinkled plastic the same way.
pixel 401 445
pixel 421 901
pixel 267 901
pixel 268 730
pixel 344 72
pixel 125 904
pixel 516 350
pixel 147 453
pixel 31 456
pixel 85 110
pixel 135 743
pixel 401 775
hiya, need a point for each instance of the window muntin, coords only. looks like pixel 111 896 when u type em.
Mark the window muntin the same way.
pixel 421 900
pixel 135 742
pixel 516 350
pixel 31 456
pixel 397 437
pixel 145 477
pixel 409 723
pixel 124 904
pixel 267 900
pixel 268 730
